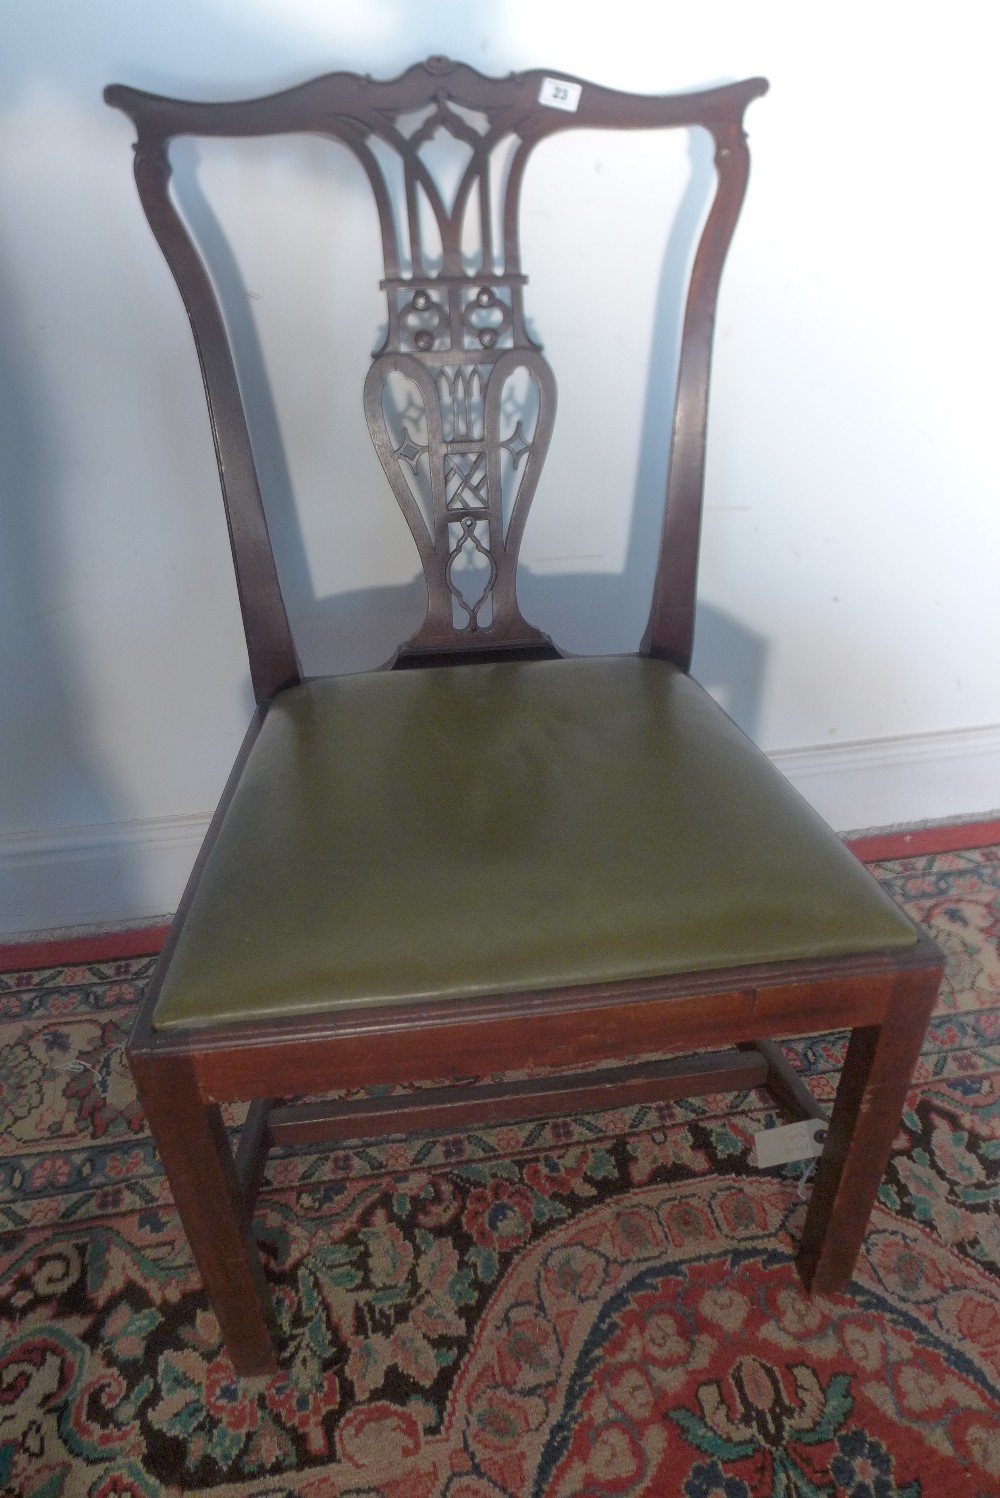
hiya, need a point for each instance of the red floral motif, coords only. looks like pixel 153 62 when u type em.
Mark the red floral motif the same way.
pixel 64 1003
pixel 662 1342
pixel 563 1174
pixel 499 1422
pixel 616 1460
pixel 636 1232
pixel 398 1156
pixel 688 1222
pixel 409 1484
pixel 508 1140
pixel 527 1356
pixel 116 995
pixel 379 1435
pixel 629 1389
pixel 437 1202
pixel 306 1407
pixel 573 1274
pixel 125 1164
pixel 899 1261
pixel 101 1394
pixel 741 1212
pixel 499 1215
pixel 499 1432
pixel 51 1170
pixel 227 1399
pixel 117 1485
pixel 977 1319
pixel 40 1362
pixel 864 1342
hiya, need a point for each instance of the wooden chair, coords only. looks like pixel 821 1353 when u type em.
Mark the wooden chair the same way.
pixel 490 857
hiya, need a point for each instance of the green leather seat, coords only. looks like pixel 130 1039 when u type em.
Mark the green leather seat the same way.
pixel 435 834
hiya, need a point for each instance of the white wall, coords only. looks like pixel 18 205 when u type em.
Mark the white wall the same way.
pixel 849 570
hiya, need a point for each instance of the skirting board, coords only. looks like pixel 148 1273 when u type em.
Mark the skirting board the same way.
pixel 82 876
pixel 135 871
pixel 887 782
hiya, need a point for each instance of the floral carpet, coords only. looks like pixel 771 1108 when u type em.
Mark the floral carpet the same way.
pixel 597 1305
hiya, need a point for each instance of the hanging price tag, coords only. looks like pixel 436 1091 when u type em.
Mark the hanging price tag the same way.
pixel 797 1141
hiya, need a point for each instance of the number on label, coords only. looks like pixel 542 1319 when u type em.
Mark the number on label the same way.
pixel 557 93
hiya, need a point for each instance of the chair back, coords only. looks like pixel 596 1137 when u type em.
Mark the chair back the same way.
pixel 459 399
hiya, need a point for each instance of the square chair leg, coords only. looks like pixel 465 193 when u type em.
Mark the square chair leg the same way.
pixel 196 1156
pixel 875 1079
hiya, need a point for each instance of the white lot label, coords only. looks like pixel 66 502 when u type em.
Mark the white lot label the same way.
pixel 558 94
pixel 797 1141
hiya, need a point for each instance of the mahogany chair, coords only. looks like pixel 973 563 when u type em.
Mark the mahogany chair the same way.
pixel 490 858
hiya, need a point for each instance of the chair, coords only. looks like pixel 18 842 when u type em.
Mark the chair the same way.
pixel 489 858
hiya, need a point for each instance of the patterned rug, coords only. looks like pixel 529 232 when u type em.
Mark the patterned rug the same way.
pixel 598 1305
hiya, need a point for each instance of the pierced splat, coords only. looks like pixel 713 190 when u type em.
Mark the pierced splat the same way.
pixel 446 472
pixel 456 336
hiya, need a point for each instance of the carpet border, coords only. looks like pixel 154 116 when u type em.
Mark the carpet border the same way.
pixel 73 951
pixel 951 837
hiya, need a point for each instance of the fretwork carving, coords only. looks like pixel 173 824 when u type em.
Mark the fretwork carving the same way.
pixel 455 332
pixel 447 467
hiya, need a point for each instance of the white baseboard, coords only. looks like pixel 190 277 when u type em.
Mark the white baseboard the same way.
pixel 82 876
pixel 130 871
pixel 885 782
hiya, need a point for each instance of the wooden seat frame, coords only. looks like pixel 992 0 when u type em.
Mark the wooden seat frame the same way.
pixel 437 307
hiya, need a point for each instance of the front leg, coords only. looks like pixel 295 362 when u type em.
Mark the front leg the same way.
pixel 192 1143
pixel 867 1110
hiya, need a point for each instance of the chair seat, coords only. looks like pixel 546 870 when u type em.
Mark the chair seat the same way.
pixel 437 834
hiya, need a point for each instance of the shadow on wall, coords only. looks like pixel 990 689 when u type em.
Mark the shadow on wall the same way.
pixel 44 725
pixel 361 628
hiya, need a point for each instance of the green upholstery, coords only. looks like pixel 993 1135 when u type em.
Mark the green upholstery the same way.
pixel 439 833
